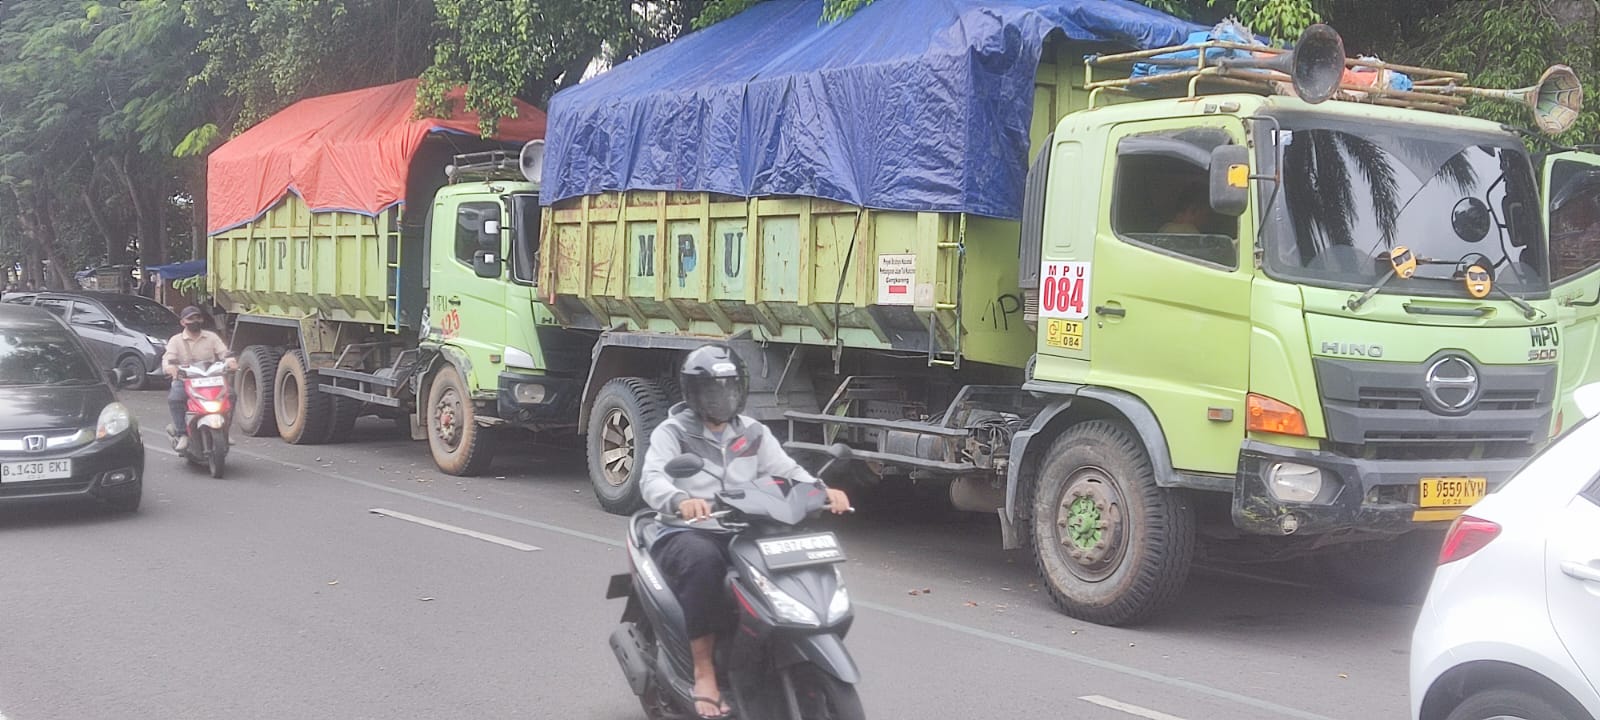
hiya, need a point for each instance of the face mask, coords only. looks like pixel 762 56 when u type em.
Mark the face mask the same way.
pixel 192 326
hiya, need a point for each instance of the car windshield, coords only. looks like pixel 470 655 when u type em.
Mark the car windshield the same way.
pixel 145 316
pixel 42 356
pixel 1352 193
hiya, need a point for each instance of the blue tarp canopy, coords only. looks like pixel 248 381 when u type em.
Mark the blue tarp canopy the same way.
pixel 920 105
pixel 179 271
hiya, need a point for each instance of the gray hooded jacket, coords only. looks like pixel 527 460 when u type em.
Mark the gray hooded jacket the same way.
pixel 683 432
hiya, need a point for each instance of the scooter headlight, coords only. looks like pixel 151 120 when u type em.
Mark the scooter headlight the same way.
pixel 783 604
pixel 841 599
pixel 114 420
pixel 211 406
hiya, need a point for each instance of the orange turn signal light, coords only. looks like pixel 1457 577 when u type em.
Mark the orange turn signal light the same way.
pixel 1263 414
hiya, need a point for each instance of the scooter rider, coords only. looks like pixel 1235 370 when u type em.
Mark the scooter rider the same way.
pixel 708 424
pixel 192 346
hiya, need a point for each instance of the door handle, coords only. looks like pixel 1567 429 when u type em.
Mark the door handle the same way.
pixel 1581 571
pixel 1109 311
pixel 454 300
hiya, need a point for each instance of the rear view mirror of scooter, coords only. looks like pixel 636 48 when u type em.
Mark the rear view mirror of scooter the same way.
pixel 685 466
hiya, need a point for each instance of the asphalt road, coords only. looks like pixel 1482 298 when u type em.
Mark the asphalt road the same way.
pixel 278 593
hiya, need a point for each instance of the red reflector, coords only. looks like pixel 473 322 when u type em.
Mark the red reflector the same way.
pixel 746 603
pixel 1467 536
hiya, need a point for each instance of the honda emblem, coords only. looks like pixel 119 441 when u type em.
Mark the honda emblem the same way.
pixel 33 443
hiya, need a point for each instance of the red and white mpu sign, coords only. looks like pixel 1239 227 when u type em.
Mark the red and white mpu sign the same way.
pixel 1064 290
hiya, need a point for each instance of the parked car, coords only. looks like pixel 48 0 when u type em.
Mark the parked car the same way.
pixel 62 432
pixel 126 332
pixel 1509 627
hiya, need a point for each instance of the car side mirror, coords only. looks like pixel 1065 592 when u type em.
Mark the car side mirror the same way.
pixel 685 466
pixel 1230 179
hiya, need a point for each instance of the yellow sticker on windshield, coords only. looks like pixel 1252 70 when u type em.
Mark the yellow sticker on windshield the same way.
pixel 1478 281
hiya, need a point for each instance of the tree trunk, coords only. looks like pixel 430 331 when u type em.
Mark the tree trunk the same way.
pixel 198 221
pixel 152 237
pixel 116 243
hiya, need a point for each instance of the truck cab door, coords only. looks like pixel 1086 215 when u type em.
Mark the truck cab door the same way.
pixel 1572 214
pixel 1170 288
pixel 466 303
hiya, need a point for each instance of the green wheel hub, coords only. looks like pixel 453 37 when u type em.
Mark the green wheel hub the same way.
pixel 1091 525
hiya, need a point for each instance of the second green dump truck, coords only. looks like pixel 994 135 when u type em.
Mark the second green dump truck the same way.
pixel 375 263
pixel 1362 329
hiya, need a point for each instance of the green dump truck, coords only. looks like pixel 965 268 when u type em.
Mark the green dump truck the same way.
pixel 1308 363
pixel 419 306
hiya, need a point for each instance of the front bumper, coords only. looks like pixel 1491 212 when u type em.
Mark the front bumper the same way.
pixel 556 404
pixel 1378 496
pixel 103 469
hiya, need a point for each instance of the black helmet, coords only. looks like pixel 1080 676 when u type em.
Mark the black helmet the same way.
pixel 714 383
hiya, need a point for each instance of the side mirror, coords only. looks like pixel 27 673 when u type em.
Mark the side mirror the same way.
pixel 489 235
pixel 1230 179
pixel 685 466
pixel 486 263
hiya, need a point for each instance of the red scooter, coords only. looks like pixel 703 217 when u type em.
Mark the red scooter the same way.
pixel 210 415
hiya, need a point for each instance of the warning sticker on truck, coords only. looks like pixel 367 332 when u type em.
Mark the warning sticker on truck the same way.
pixel 1064 290
pixel 896 273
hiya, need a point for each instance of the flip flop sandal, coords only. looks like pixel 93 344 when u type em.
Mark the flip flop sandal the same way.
pixel 724 714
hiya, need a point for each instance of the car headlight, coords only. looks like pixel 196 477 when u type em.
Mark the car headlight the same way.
pixel 841 599
pixel 156 341
pixel 783 604
pixel 114 420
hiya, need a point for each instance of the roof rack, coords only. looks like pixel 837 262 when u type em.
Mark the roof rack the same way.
pixel 1265 70
pixel 488 165
pixel 1316 69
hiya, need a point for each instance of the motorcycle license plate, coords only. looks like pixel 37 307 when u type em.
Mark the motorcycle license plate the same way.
pixel 36 470
pixel 783 553
pixel 207 382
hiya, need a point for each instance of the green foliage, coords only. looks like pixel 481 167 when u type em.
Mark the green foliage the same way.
pixel 832 10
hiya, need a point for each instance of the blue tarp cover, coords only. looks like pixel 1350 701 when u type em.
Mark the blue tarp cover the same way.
pixel 179 271
pixel 920 105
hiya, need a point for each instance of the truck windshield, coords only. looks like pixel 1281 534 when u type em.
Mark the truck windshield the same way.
pixel 1352 192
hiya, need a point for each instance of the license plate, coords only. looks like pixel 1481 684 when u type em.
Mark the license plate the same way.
pixel 207 382
pixel 1451 491
pixel 782 553
pixel 35 470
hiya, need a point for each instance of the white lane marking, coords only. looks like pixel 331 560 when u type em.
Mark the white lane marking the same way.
pixel 1127 670
pixel 496 539
pixel 1134 710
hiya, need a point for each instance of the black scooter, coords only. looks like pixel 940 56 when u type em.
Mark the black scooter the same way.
pixel 783 656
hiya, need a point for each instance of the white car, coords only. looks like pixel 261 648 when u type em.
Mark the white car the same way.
pixel 1511 626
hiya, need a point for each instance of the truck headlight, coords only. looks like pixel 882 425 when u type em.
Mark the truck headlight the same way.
pixel 1293 482
pixel 114 420
pixel 783 604
pixel 529 393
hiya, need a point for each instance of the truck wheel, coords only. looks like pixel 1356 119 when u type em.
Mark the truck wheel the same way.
pixel 258 369
pixel 1112 546
pixel 625 412
pixel 303 412
pixel 345 413
pixel 459 445
pixel 1393 571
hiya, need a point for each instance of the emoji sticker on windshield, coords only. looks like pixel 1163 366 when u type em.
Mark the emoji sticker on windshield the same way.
pixel 1404 261
pixel 1478 281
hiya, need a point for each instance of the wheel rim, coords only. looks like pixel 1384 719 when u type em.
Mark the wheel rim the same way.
pixel 1091 528
pixel 289 399
pixel 131 367
pixel 248 384
pixel 616 447
pixel 447 418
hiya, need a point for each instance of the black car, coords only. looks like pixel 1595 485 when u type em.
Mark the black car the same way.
pixel 126 332
pixel 62 432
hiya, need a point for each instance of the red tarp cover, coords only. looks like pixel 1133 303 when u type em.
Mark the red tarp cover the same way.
pixel 348 152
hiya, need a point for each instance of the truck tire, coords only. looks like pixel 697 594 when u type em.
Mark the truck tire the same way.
pixel 345 413
pixel 625 412
pixel 258 371
pixel 1112 546
pixel 459 445
pixel 304 413
pixel 1391 572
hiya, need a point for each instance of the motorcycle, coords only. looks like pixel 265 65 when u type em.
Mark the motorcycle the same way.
pixel 783 654
pixel 210 415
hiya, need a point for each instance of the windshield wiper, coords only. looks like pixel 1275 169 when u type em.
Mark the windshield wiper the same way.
pixel 1356 301
pixel 1404 267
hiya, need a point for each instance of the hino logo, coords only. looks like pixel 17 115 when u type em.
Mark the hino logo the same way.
pixel 33 443
pixel 1352 349
pixel 1451 383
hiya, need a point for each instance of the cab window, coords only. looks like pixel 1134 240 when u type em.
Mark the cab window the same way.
pixel 525 218
pixel 1574 219
pixel 469 221
pixel 1163 200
